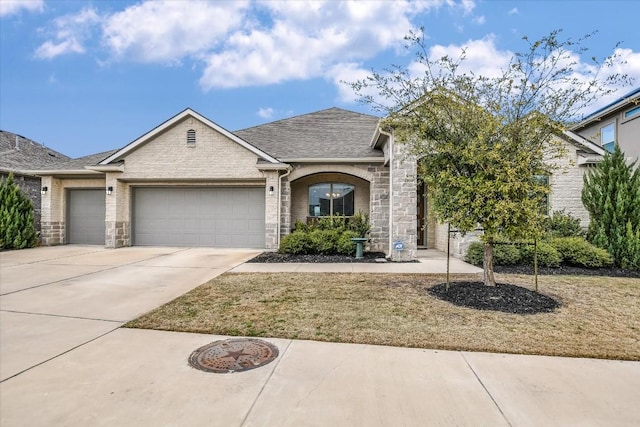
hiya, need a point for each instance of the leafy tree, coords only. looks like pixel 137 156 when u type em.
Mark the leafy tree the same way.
pixel 483 143
pixel 17 229
pixel 611 194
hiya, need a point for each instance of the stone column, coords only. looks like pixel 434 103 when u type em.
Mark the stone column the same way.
pixel 285 207
pixel 271 210
pixel 117 216
pixel 379 209
pixel 404 231
pixel 52 213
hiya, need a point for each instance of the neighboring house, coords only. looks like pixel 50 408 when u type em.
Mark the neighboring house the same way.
pixel 190 182
pixel 617 123
pixel 19 154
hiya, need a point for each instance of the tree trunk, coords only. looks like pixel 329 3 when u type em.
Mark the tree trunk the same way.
pixel 489 279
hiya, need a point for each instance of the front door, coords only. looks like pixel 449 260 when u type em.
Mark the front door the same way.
pixel 422 214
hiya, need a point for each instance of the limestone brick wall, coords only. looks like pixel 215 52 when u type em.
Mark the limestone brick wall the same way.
pixel 285 208
pixel 403 203
pixel 213 156
pixel 566 187
pixel 271 210
pixel 379 193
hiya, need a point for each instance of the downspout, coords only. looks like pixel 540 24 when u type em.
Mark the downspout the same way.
pixel 289 169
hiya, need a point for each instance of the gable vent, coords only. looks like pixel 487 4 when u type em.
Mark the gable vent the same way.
pixel 191 137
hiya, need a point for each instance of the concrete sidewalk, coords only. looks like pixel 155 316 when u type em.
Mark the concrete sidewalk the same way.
pixel 429 262
pixel 139 377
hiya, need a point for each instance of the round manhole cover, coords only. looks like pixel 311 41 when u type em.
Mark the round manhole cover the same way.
pixel 233 355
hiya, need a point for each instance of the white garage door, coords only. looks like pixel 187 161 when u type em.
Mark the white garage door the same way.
pixel 85 216
pixel 215 217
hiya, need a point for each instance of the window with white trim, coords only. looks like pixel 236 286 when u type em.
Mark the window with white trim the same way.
pixel 608 137
pixel 629 114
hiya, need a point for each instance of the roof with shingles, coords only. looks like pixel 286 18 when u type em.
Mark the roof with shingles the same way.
pixel 81 162
pixel 331 133
pixel 18 153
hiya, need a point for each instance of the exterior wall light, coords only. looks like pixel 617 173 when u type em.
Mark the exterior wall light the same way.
pixel 44 190
pixel 271 190
pixel 109 190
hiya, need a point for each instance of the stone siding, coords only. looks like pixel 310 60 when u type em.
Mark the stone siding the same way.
pixel 379 216
pixel 404 201
pixel 117 234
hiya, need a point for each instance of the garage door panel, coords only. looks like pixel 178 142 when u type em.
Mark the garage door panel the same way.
pixel 217 217
pixel 86 216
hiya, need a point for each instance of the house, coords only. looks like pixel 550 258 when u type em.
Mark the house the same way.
pixel 19 154
pixel 190 182
pixel 616 123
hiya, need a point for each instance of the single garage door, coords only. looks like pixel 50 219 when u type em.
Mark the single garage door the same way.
pixel 215 217
pixel 85 216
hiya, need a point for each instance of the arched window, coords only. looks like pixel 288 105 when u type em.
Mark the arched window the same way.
pixel 191 137
pixel 331 198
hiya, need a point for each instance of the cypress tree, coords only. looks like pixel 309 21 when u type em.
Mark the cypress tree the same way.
pixel 17 229
pixel 611 194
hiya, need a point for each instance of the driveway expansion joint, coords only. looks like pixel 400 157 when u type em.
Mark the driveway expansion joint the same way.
pixel 486 390
pixel 122 322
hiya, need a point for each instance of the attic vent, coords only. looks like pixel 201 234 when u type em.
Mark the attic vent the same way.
pixel 191 137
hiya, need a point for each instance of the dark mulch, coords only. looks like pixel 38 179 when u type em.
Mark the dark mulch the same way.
pixel 502 297
pixel 567 270
pixel 276 257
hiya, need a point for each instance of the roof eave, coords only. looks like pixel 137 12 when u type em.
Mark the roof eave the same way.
pixel 633 97
pixel 56 172
pixel 584 142
pixel 119 167
pixel 335 160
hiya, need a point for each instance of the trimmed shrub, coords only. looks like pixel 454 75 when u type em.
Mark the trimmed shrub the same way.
pixel 296 243
pixel 17 230
pixel 563 224
pixel 345 246
pixel 578 252
pixel 548 256
pixel 324 241
pixel 503 254
pixel 475 254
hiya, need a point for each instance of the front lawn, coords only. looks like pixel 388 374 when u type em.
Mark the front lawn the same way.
pixel 598 316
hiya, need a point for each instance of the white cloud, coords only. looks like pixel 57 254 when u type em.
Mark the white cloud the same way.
pixel 70 33
pixel 11 7
pixel 480 20
pixel 265 113
pixel 514 11
pixel 482 57
pixel 167 31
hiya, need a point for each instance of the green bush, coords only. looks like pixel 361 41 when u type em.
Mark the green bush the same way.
pixel 296 243
pixel 503 254
pixel 562 224
pixel 326 236
pixel 578 252
pixel 548 256
pixel 631 257
pixel 475 254
pixel 17 230
pixel 345 246
pixel 324 241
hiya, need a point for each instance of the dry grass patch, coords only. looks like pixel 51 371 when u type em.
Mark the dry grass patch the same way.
pixel 599 316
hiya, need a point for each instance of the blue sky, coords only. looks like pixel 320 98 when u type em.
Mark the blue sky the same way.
pixel 88 76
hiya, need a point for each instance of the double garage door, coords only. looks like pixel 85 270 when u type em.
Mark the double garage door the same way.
pixel 215 217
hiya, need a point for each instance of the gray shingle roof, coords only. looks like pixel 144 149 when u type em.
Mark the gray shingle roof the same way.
pixel 19 153
pixel 81 162
pixel 331 133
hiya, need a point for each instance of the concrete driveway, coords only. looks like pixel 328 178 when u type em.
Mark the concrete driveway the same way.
pixel 65 361
pixel 54 299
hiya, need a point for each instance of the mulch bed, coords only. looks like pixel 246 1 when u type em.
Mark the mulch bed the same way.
pixel 567 271
pixel 267 257
pixel 502 297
